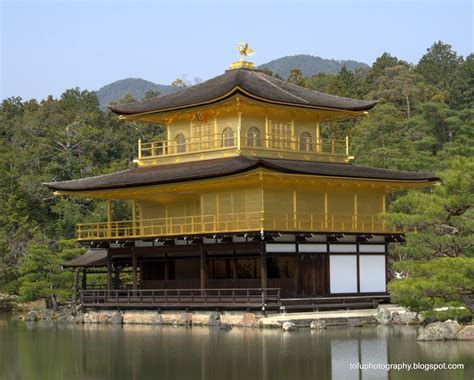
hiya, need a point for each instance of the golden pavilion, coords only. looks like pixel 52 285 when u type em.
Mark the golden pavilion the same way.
pixel 243 204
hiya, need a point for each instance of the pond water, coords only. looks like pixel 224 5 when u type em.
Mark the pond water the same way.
pixel 49 351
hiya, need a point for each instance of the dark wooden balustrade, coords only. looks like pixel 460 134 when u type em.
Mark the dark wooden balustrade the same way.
pixel 249 298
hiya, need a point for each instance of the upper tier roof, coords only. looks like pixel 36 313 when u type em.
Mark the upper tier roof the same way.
pixel 198 170
pixel 252 83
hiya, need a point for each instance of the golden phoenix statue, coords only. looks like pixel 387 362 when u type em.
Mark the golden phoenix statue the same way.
pixel 244 50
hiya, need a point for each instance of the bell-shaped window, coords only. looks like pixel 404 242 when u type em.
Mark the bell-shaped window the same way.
pixel 306 142
pixel 180 143
pixel 253 137
pixel 227 137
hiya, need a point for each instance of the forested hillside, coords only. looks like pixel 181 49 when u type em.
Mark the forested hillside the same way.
pixel 310 65
pixel 135 87
pixel 424 121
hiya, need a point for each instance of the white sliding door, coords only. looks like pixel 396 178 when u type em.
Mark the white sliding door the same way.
pixel 343 273
pixel 372 273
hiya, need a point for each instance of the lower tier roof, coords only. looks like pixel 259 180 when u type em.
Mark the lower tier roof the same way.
pixel 92 258
pixel 199 170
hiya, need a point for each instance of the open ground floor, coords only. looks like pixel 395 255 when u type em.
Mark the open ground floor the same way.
pixel 278 271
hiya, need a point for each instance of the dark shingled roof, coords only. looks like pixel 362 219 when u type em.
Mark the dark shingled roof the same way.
pixel 188 171
pixel 92 258
pixel 254 83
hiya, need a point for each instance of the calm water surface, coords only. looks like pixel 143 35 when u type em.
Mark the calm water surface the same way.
pixel 165 352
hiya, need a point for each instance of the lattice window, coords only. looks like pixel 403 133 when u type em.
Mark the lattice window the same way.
pixel 202 135
pixel 281 136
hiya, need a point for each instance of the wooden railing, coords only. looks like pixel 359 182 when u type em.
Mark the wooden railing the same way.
pixel 249 297
pixel 259 144
pixel 235 223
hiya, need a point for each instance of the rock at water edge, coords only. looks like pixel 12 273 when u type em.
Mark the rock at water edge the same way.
pixel 467 333
pixel 384 316
pixel 289 326
pixel 318 324
pixel 447 330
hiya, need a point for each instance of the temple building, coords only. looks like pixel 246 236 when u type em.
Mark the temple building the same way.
pixel 245 203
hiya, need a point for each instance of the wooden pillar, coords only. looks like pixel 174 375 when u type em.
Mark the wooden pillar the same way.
pixel 109 218
pixel 347 146
pixel 116 277
pixel 297 271
pixel 263 275
pixel 318 137
pixel 167 271
pixel 355 221
pixel 263 269
pixel 234 270
pixel 295 219
pixel 326 209
pixel 109 273
pixel 266 139
pixel 134 271
pixel 203 269
pixel 134 217
pixel 75 289
pixel 239 131
pixel 84 279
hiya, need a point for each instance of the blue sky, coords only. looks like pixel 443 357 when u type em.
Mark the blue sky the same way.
pixel 47 47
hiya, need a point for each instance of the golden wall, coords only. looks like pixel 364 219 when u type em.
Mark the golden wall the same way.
pixel 285 205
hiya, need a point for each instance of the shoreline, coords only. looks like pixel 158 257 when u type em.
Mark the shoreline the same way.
pixel 285 322
pixel 223 319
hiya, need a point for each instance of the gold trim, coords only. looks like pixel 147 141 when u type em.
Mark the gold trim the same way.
pixel 241 65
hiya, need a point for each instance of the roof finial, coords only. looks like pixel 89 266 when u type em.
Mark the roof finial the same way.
pixel 244 51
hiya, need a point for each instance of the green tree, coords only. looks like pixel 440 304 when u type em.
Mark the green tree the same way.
pixel 127 98
pixel 346 84
pixel 461 91
pixel 382 140
pixel 41 275
pixel 296 77
pixel 150 94
pixel 443 216
pixel 320 82
pixel 435 125
pixel 269 72
pixel 434 283
pixel 404 88
pixel 439 65
pixel 383 62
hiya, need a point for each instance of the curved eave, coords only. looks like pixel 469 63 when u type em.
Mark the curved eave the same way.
pixel 237 90
pixel 67 187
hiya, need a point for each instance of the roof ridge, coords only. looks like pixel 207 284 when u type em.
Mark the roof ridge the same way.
pixel 281 89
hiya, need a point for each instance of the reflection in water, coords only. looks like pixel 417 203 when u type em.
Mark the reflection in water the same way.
pixel 155 352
